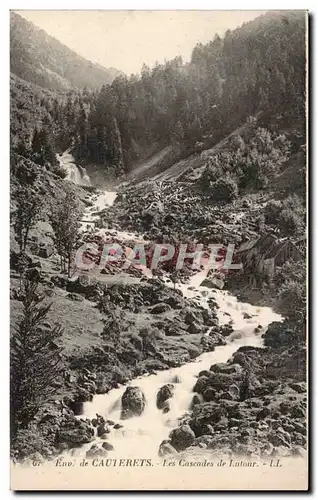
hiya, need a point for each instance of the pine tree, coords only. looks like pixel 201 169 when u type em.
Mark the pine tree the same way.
pixel 116 148
pixel 42 149
pixel 35 358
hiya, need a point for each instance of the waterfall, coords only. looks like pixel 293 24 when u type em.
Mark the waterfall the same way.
pixel 141 436
pixel 75 174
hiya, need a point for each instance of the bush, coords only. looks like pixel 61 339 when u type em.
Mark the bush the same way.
pixel 272 212
pixel 224 189
pixel 210 174
pixel 290 283
pixel 289 222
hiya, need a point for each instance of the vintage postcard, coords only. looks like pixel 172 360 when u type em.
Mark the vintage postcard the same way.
pixel 158 250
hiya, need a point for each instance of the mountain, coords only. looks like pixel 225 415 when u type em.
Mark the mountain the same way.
pixel 39 58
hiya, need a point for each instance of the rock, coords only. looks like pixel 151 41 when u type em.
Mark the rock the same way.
pixel 95 451
pixel 192 317
pixel 133 402
pixel 107 446
pixel 263 413
pixel 300 427
pixel 118 426
pixel 247 316
pixel 75 433
pixel 299 387
pixel 102 429
pixel 279 334
pixel 212 283
pixel 195 328
pixel 226 330
pixel 75 297
pixel 226 368
pixel 193 351
pixel 182 437
pixel 45 251
pixel 234 391
pixel 298 412
pixel 207 344
pixel 239 358
pixel 77 407
pixel 196 400
pixel 209 394
pixel 164 393
pixel 166 448
pixel 201 385
pixel 160 308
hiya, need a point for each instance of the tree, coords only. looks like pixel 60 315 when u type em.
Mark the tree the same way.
pixel 65 221
pixel 42 149
pixel 290 283
pixel 29 208
pixel 224 189
pixel 115 147
pixel 35 358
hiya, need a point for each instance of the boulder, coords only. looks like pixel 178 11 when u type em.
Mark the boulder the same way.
pixel 226 330
pixel 75 433
pixel 133 402
pixel 165 392
pixel 96 451
pixel 201 384
pixel 160 308
pixel 299 387
pixel 192 317
pixel 209 394
pixel 118 426
pixel 234 368
pixel 195 328
pixel 102 429
pixel 107 446
pixel 196 400
pixel 182 437
pixel 166 448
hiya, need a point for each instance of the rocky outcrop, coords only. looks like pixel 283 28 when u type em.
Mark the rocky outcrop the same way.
pixel 96 451
pixel 164 393
pixel 133 402
pixel 166 448
pixel 254 403
pixel 182 437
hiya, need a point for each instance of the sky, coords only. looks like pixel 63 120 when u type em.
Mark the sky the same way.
pixel 127 39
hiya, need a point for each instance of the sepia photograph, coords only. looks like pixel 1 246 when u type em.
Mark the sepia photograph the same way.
pixel 158 250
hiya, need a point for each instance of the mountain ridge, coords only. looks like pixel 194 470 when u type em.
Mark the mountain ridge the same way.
pixel 39 58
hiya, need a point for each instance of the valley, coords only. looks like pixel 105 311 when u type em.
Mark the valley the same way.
pixel 161 362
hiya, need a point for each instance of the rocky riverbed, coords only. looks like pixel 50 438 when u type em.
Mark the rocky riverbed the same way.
pixel 237 398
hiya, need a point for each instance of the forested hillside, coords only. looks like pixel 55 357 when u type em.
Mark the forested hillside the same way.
pixel 41 59
pixel 259 67
pixel 208 152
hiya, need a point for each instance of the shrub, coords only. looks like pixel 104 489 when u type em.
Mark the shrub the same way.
pixel 289 222
pixel 224 189
pixel 272 212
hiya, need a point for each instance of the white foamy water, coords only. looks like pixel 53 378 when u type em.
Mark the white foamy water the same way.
pixel 74 174
pixel 141 436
